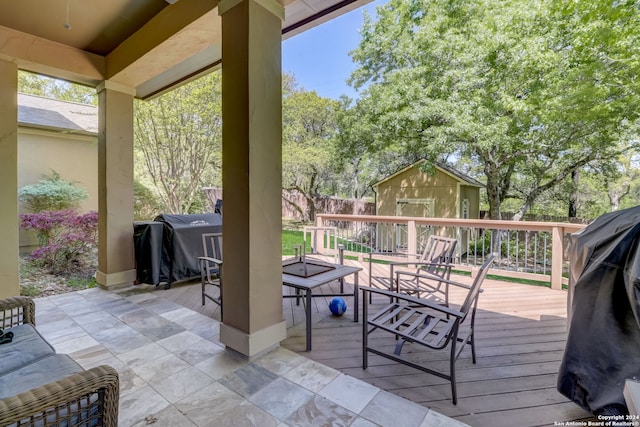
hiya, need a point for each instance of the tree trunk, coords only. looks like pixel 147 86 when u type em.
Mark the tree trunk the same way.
pixel 573 197
pixel 616 195
pixel 493 197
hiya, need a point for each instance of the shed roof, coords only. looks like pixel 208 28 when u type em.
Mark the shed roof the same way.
pixel 44 113
pixel 456 174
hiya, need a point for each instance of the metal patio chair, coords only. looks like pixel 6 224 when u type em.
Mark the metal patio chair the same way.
pixel 433 265
pixel 211 267
pixel 422 322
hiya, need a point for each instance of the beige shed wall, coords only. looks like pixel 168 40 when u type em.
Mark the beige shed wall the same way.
pixel 414 184
pixel 74 157
pixel 473 195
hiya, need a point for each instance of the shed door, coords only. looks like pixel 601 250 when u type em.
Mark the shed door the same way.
pixel 421 208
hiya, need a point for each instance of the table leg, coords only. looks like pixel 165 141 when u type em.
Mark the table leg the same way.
pixel 308 318
pixel 355 297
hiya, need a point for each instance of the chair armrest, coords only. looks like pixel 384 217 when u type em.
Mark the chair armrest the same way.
pixel 421 275
pixel 209 259
pixel 412 300
pixel 418 264
pixel 421 265
pixel 402 254
pixel 16 311
pixel 430 276
pixel 425 274
pixel 78 396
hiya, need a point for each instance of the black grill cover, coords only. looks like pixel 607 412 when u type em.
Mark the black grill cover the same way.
pixel 183 242
pixel 152 263
pixel 603 342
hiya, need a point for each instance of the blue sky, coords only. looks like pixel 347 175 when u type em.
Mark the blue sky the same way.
pixel 319 58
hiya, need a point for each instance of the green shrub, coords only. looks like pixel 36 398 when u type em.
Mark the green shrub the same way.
pixel 145 203
pixel 30 291
pixel 481 246
pixel 82 282
pixel 52 194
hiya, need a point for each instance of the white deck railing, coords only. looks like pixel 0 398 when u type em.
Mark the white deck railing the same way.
pixel 528 250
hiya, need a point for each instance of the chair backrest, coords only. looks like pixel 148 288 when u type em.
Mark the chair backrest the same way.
pixel 439 250
pixel 212 247
pixel 477 284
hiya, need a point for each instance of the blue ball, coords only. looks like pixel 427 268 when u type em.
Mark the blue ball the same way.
pixel 338 306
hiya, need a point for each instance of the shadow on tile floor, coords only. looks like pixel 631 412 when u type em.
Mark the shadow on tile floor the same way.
pixel 175 372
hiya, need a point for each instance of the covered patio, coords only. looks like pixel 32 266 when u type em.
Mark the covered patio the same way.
pixel 162 342
pixel 129 49
pixel 521 334
pixel 174 371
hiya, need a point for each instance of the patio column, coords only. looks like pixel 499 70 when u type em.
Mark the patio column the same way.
pixel 9 223
pixel 115 185
pixel 252 174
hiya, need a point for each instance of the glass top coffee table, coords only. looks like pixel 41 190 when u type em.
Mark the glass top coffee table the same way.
pixel 306 274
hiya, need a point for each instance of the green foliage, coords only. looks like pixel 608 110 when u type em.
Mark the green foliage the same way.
pixel 481 246
pixel 48 87
pixel 526 91
pixel 51 194
pixel 178 142
pixel 360 156
pixel 145 203
pixel 82 282
pixel 198 204
pixel 308 132
pixel 29 291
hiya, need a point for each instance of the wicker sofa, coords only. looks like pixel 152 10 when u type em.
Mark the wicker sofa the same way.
pixel 41 388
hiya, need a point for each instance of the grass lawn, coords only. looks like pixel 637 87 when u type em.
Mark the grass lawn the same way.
pixel 290 238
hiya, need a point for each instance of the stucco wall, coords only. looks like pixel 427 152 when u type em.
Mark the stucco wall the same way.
pixel 74 157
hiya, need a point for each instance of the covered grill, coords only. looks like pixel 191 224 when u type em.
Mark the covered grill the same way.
pixel 603 342
pixel 167 249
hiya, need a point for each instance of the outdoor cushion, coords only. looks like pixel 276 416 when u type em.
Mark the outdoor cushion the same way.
pixel 27 346
pixel 36 374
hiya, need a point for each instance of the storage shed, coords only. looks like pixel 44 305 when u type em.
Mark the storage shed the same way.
pixel 446 193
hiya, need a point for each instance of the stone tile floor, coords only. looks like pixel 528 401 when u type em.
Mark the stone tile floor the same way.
pixel 174 371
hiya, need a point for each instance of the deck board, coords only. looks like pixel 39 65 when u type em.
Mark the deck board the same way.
pixel 520 335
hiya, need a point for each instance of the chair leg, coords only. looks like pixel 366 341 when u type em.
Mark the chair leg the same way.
pixel 452 370
pixel 473 346
pixel 365 334
pixel 454 396
pixel 202 284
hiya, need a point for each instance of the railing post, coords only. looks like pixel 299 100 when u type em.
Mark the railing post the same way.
pixel 557 256
pixel 412 239
pixel 318 237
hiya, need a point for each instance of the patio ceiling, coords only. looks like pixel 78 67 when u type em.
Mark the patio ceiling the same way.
pixel 149 45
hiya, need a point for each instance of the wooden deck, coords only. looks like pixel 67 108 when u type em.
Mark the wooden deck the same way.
pixel 520 333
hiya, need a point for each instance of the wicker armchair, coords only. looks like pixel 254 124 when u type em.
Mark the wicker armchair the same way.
pixel 86 398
